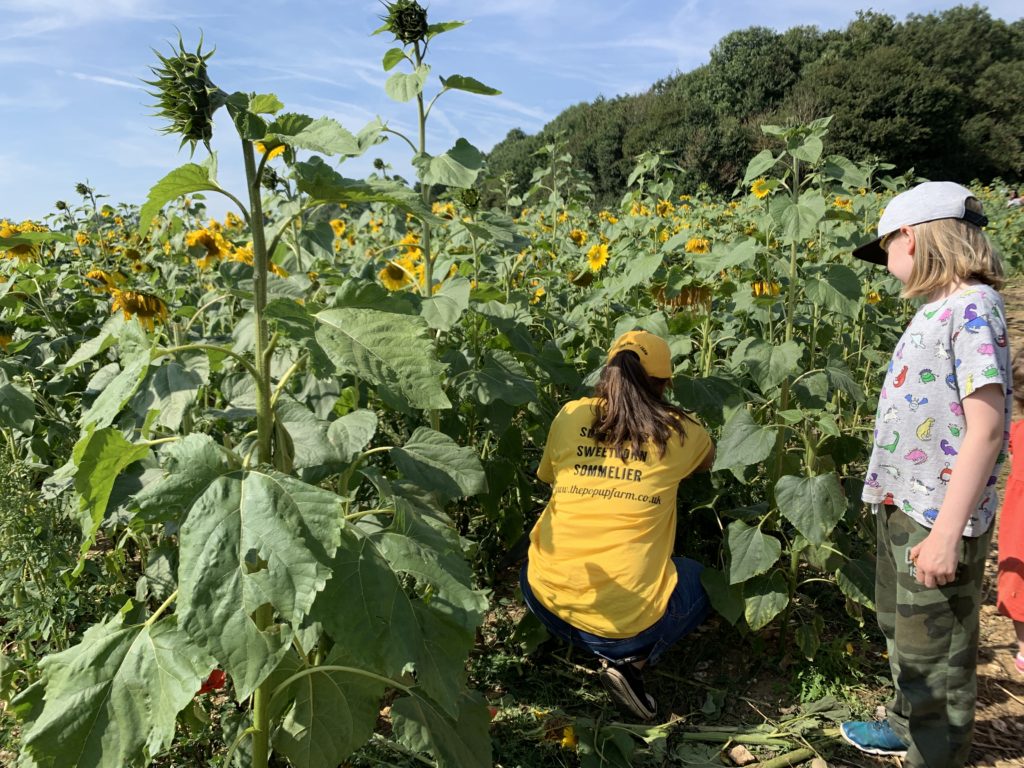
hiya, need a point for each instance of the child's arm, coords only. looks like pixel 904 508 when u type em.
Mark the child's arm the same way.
pixel 938 554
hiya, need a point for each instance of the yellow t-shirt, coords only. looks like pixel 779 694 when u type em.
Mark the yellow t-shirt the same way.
pixel 600 554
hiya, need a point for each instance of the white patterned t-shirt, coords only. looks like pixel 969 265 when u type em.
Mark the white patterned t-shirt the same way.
pixel 951 348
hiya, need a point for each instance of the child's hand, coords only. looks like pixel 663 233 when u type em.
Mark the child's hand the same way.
pixel 936 560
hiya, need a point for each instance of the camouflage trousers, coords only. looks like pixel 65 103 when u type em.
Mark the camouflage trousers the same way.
pixel 932 639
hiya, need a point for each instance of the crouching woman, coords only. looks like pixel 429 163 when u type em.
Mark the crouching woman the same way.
pixel 600 573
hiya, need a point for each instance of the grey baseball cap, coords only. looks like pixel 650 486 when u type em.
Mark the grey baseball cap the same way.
pixel 929 201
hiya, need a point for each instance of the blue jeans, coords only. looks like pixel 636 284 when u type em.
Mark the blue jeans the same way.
pixel 687 608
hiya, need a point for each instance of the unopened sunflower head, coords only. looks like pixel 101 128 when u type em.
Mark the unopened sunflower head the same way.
pixel 270 180
pixel 185 95
pixel 406 20
pixel 470 198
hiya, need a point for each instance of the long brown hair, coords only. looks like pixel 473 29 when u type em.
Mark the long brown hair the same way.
pixel 631 411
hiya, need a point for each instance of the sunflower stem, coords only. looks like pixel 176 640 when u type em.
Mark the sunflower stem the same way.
pixel 264 423
pixel 427 289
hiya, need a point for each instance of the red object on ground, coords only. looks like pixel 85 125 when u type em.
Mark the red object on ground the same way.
pixel 214 682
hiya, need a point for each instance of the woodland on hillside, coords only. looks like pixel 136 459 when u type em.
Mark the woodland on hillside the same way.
pixel 940 94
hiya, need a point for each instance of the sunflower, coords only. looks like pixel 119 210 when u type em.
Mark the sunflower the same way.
pixel 186 98
pixel 597 257
pixel 339 227
pixel 764 288
pixel 100 281
pixel 607 216
pixel 578 236
pixel 274 152
pixel 409 246
pixel 664 208
pixel 24 251
pixel 396 275
pixel 760 188
pixel 569 738
pixel 244 255
pixel 144 306
pixel 406 20
pixel 210 239
pixel 233 222
pixel 639 209
pixel 444 210
pixel 843 204
pixel 698 245
pixel 81 238
pixel 873 297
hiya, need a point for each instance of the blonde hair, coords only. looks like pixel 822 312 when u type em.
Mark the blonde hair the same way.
pixel 948 250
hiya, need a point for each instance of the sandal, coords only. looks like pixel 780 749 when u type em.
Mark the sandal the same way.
pixel 625 685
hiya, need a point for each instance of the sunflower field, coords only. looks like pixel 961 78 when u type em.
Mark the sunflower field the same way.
pixel 265 476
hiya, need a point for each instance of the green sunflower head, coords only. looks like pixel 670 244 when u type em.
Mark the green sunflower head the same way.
pixel 406 20
pixel 186 97
pixel 470 198
pixel 270 180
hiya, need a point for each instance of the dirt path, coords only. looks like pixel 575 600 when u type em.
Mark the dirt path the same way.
pixel 999 734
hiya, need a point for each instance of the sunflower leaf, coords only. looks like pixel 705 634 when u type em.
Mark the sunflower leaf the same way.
pixel 113 699
pixel 468 84
pixel 384 349
pixel 254 538
pixel 185 180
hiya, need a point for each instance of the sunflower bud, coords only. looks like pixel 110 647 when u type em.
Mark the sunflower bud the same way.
pixel 83 189
pixel 270 180
pixel 406 20
pixel 60 205
pixel 470 198
pixel 186 97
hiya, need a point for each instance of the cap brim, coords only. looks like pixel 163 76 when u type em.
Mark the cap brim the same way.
pixel 872 253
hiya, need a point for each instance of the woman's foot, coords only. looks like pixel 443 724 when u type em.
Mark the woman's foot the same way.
pixel 1018 662
pixel 625 685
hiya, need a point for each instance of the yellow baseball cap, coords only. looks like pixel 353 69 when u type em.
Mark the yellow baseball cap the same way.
pixel 652 350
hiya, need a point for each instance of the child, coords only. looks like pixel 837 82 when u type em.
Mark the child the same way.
pixel 939 443
pixel 1011 523
pixel 600 572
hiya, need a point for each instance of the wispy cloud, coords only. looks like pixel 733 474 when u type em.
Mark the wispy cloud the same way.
pixel 107 81
pixel 35 18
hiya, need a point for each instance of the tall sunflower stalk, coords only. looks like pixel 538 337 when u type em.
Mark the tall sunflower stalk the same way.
pixel 187 100
pixel 407 21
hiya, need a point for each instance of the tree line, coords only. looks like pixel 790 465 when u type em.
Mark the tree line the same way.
pixel 941 94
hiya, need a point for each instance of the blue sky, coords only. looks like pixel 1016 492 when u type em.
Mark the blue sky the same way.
pixel 76 109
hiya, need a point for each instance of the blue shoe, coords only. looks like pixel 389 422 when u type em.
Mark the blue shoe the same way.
pixel 875 737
